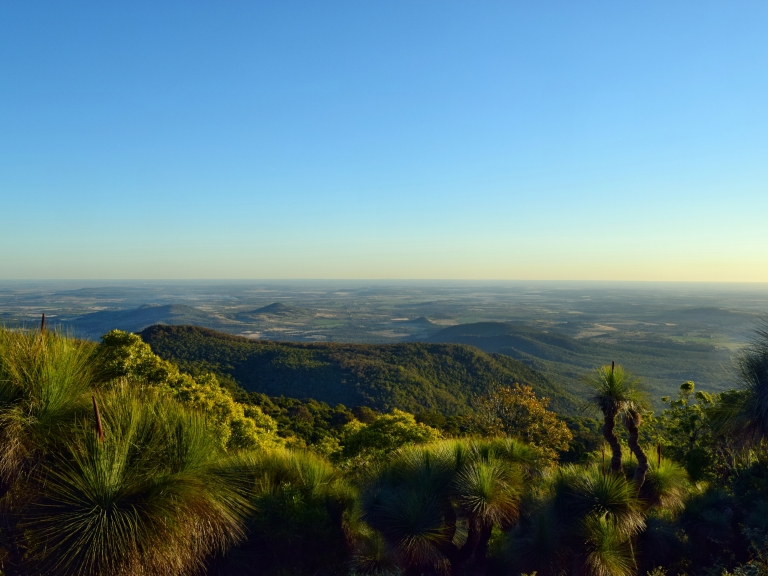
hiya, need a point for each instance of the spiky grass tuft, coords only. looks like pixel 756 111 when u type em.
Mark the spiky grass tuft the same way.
pixel 666 486
pixel 579 494
pixel 44 381
pixel 152 498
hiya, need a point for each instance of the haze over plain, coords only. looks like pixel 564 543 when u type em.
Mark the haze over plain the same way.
pixel 396 140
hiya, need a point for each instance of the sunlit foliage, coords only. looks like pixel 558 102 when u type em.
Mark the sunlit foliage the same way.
pixel 517 411
pixel 239 425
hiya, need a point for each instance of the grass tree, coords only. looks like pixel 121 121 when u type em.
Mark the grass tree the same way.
pixel 435 506
pixel 302 520
pixel 603 512
pixel 666 487
pixel 616 393
pixel 633 417
pixel 155 496
pixel 586 526
pixel 46 381
pixel 141 485
pixel 746 416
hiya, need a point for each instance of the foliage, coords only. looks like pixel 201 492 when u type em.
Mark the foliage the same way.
pixel 239 425
pixel 517 411
pixel 436 505
pixel 747 419
pixel 411 376
pixel 666 486
pixel 45 380
pixel 615 393
pixel 303 521
pixel 585 524
pixel 147 493
pixel 383 435
pixel 586 438
pixel 687 432
pixel 152 498
pixel 307 423
pixel 113 461
pixel 758 564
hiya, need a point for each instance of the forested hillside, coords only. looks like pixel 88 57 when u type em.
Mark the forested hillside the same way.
pixel 411 376
pixel 662 363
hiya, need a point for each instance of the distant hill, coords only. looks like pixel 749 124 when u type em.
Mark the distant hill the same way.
pixel 410 376
pixel 274 309
pixel 96 324
pixel 715 320
pixel 663 364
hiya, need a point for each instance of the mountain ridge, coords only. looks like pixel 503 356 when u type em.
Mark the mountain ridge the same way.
pixel 95 324
pixel 662 363
pixel 412 376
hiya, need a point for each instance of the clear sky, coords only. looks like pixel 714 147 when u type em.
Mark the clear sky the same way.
pixel 384 139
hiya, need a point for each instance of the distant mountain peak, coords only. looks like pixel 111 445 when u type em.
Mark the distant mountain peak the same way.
pixel 274 308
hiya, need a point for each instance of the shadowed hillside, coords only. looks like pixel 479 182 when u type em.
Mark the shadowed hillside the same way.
pixel 275 308
pixel 663 364
pixel 412 376
pixel 277 311
pixel 94 325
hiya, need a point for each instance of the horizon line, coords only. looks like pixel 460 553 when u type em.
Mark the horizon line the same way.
pixel 383 280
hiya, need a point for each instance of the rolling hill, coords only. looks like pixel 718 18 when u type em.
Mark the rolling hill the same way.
pixel 662 363
pixel 93 325
pixel 274 308
pixel 275 311
pixel 409 376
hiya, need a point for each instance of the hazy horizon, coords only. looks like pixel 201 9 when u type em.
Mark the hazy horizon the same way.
pixel 479 281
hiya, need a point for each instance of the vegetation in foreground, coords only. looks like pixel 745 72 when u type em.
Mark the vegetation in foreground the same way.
pixel 113 461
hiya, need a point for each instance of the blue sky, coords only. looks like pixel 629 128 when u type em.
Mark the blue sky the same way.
pixel 482 140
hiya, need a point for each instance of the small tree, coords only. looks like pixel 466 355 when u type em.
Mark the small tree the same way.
pixel 685 427
pixel 516 411
pixel 383 435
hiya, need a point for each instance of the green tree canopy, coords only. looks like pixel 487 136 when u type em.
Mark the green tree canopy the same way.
pixel 239 425
pixel 516 411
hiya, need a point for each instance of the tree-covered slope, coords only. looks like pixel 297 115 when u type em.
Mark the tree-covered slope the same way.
pixel 411 376
pixel 662 364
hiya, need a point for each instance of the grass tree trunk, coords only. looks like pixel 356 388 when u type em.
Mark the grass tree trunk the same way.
pixel 613 441
pixel 459 557
pixel 481 553
pixel 420 571
pixel 632 422
pixel 10 538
